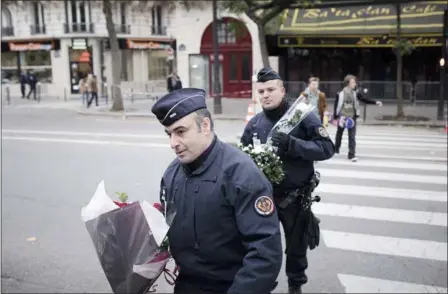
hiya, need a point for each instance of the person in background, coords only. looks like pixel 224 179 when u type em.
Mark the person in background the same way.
pixel 32 81
pixel 173 82
pixel 93 89
pixel 83 88
pixel 23 81
pixel 316 97
pixel 347 106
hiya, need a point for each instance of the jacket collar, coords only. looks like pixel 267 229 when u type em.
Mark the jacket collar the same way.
pixel 205 162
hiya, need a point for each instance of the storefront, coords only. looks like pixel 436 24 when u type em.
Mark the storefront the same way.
pixel 333 42
pixel 80 62
pixel 30 55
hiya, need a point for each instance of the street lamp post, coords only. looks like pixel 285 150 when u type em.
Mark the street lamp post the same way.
pixel 441 103
pixel 217 106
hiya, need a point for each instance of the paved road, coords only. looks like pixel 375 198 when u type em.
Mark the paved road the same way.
pixel 384 218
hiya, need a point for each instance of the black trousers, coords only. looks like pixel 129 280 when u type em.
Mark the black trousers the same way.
pixel 351 140
pixel 94 96
pixel 294 221
pixel 23 90
pixel 32 90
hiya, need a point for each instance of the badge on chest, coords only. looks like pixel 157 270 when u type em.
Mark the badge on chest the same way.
pixel 264 205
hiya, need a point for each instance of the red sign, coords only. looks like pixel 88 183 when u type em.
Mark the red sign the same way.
pixel 144 44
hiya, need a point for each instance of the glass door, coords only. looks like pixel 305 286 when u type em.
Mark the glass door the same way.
pixel 199 72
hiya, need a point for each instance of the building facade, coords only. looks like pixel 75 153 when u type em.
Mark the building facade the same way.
pixel 61 41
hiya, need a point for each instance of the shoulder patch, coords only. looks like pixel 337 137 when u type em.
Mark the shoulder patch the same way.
pixel 264 205
pixel 322 132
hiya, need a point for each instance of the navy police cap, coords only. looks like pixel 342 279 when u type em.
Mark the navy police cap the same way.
pixel 178 104
pixel 267 74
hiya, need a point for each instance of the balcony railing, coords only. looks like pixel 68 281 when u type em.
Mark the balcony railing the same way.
pixel 158 30
pixel 7 31
pixel 123 29
pixel 38 29
pixel 79 28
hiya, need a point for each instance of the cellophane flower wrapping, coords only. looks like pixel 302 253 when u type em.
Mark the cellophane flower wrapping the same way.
pixel 130 241
pixel 296 113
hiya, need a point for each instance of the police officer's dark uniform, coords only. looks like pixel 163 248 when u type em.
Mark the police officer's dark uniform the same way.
pixel 225 235
pixel 307 143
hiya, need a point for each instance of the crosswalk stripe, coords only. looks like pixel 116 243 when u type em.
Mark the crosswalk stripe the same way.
pixel 406 157
pixel 359 284
pixel 401 139
pixel 388 164
pixel 385 245
pixel 395 143
pixel 391 131
pixel 396 177
pixel 381 214
pixel 378 145
pixel 365 191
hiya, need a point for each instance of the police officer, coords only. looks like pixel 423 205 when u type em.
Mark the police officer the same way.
pixel 224 229
pixel 298 150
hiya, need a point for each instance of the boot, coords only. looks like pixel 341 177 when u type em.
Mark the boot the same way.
pixel 295 290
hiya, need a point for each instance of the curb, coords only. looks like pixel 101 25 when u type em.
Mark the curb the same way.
pixel 125 115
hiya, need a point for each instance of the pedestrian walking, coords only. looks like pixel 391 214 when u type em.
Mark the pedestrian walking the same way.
pixel 298 150
pixel 316 97
pixel 173 82
pixel 225 236
pixel 23 81
pixel 32 81
pixel 93 89
pixel 347 112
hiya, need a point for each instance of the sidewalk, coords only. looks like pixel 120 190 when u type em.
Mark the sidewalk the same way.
pixel 233 109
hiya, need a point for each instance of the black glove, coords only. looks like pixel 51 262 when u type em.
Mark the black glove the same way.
pixel 313 231
pixel 280 140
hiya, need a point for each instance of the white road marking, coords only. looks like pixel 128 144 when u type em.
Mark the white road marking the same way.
pixel 381 214
pixel 385 245
pixel 388 164
pixel 368 191
pixel 359 284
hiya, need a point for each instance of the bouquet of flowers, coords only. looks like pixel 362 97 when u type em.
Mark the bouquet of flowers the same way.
pixel 266 160
pixel 130 240
pixel 296 113
pixel 264 155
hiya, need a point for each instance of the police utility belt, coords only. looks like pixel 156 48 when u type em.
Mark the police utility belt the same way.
pixel 303 194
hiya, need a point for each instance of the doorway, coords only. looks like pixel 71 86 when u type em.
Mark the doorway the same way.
pixel 81 64
pixel 235 52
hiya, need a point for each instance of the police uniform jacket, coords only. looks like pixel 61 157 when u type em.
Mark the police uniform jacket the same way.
pixel 219 236
pixel 309 142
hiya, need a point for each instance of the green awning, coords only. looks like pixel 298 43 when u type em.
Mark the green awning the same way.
pixel 418 19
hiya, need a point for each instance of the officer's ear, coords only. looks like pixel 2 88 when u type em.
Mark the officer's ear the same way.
pixel 206 125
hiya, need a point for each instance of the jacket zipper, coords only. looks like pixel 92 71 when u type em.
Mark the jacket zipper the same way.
pixel 196 241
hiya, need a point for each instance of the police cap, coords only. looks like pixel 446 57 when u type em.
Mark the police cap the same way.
pixel 178 104
pixel 267 74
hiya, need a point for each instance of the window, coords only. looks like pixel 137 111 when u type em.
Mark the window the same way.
pixel 157 28
pixel 39 62
pixel 10 68
pixel 38 18
pixel 78 16
pixel 233 73
pixel 127 65
pixel 226 33
pixel 246 68
pixel 157 65
pixel 7 26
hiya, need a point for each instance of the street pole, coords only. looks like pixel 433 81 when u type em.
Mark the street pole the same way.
pixel 442 68
pixel 441 103
pixel 217 106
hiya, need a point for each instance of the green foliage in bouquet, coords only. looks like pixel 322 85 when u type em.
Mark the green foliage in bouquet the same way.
pixel 122 196
pixel 267 161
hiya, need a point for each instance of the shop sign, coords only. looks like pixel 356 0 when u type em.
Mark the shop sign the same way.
pixel 30 46
pixel 367 41
pixel 144 44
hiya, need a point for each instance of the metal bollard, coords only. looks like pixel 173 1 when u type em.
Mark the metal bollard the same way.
pixel 65 94
pixel 8 95
pixel 132 95
pixel 365 112
pixel 39 92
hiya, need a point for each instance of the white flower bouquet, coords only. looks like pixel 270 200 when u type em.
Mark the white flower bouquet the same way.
pixel 264 155
pixel 266 160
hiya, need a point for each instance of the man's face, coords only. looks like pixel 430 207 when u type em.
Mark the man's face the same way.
pixel 352 83
pixel 187 139
pixel 270 93
pixel 314 85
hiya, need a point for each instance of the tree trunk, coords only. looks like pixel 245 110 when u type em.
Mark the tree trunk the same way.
pixel 263 46
pixel 399 90
pixel 115 58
